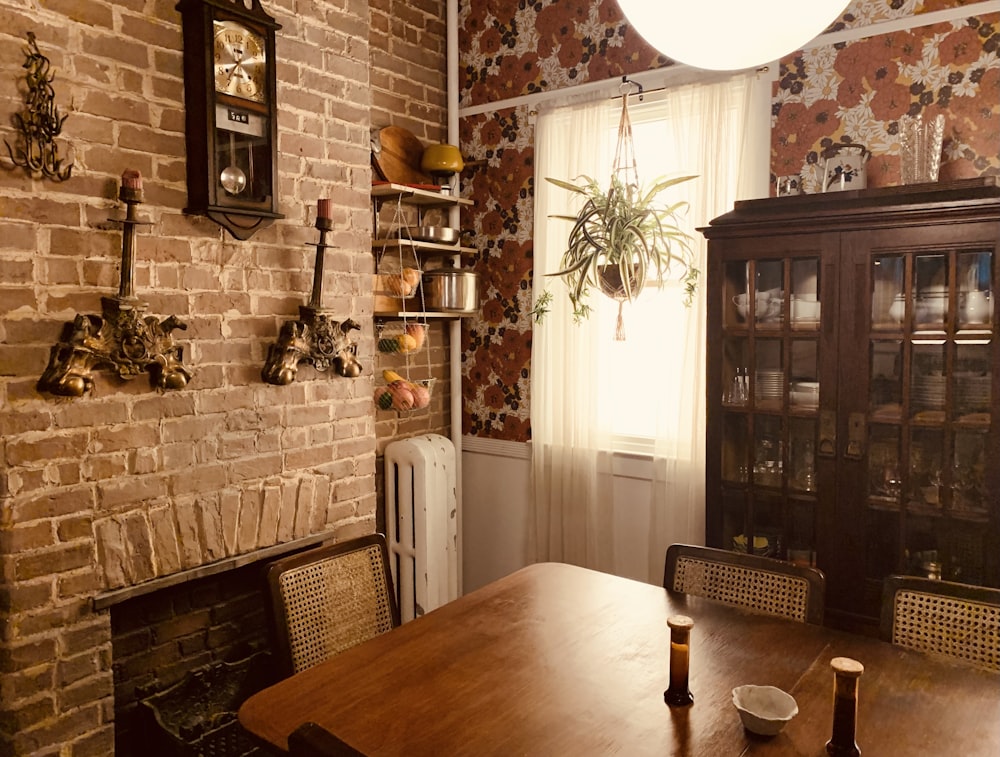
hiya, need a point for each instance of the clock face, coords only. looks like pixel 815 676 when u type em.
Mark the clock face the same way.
pixel 240 61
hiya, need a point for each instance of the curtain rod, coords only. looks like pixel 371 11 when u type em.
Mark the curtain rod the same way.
pixel 642 91
pixel 653 80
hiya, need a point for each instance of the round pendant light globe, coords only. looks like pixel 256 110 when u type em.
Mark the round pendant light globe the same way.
pixel 729 35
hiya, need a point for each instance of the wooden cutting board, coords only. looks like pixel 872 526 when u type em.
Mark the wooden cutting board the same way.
pixel 399 159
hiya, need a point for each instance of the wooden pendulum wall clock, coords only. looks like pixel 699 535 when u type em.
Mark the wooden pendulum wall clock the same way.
pixel 229 93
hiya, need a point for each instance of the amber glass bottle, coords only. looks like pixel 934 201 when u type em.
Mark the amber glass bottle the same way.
pixel 846 673
pixel 678 694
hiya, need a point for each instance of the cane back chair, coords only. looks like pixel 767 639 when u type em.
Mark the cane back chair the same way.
pixel 758 583
pixel 329 598
pixel 942 617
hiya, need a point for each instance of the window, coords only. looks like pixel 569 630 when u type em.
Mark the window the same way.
pixel 663 345
pixel 591 395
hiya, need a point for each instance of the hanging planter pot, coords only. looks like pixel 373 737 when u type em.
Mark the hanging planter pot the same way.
pixel 618 283
pixel 613 284
pixel 623 236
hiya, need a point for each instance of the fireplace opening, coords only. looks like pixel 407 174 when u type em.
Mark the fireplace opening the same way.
pixel 169 639
pixel 197 717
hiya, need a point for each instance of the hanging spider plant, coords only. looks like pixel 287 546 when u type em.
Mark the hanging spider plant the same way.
pixel 621 238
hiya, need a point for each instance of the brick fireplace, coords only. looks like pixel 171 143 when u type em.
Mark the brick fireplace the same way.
pixel 159 640
pixel 134 521
pixel 93 634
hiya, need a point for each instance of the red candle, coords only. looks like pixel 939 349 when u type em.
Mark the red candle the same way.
pixel 132 179
pixel 324 209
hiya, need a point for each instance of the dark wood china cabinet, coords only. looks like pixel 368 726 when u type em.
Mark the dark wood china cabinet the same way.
pixel 854 386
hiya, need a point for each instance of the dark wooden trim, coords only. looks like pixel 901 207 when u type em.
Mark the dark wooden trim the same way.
pixel 885 207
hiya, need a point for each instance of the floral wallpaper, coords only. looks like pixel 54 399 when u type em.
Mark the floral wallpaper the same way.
pixel 867 12
pixel 497 346
pixel 511 48
pixel 847 92
pixel 857 92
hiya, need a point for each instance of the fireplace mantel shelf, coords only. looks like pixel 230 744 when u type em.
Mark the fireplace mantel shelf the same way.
pixel 106 599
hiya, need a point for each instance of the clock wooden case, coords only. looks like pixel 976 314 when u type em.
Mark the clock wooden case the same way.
pixel 229 94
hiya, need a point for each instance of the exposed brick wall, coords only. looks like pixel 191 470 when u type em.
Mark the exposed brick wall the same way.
pixel 407 42
pixel 408 89
pixel 127 484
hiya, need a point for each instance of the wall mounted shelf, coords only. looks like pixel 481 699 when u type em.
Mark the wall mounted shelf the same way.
pixel 421 198
pixel 426 249
pixel 416 315
pixel 415 195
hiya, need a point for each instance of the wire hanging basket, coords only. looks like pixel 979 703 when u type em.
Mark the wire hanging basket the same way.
pixel 407 336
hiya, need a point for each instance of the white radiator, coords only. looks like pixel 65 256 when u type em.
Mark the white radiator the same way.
pixel 422 522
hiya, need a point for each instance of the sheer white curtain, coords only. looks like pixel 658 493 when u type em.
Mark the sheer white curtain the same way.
pixel 587 391
pixel 571 454
pixel 705 133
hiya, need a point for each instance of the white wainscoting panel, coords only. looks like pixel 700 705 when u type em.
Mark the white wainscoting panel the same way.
pixel 497 502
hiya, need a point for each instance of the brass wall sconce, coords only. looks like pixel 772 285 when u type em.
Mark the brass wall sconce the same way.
pixel 122 339
pixel 315 338
pixel 40 123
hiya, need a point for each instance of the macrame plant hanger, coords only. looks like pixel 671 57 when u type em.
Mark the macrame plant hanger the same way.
pixel 626 170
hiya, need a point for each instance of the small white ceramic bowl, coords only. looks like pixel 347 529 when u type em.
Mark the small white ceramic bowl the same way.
pixel 764 710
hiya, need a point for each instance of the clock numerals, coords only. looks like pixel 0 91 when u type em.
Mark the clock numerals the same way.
pixel 240 61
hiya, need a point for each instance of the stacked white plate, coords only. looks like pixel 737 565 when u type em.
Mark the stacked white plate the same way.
pixel 928 391
pixel 769 305
pixel 973 393
pixel 770 385
pixel 931 305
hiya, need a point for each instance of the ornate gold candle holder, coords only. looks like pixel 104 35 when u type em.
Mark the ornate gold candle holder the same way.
pixel 315 338
pixel 123 339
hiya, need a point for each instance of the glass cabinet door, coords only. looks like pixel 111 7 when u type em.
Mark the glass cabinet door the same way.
pixel 853 376
pixel 770 370
pixel 929 403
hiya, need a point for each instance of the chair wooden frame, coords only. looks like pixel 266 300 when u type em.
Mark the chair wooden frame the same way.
pixel 329 598
pixel 942 617
pixel 312 740
pixel 775 587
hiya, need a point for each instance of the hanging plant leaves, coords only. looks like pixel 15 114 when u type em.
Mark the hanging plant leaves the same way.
pixel 626 228
pixel 623 228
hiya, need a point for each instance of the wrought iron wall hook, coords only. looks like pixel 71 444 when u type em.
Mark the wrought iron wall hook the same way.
pixel 315 338
pixel 40 122
pixel 122 339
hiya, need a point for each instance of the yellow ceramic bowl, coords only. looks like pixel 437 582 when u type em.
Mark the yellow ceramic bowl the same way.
pixel 441 160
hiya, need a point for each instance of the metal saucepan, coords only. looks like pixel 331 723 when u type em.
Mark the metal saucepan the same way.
pixel 438 234
pixel 450 290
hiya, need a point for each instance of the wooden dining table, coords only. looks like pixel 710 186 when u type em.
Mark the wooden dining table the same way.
pixel 556 660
